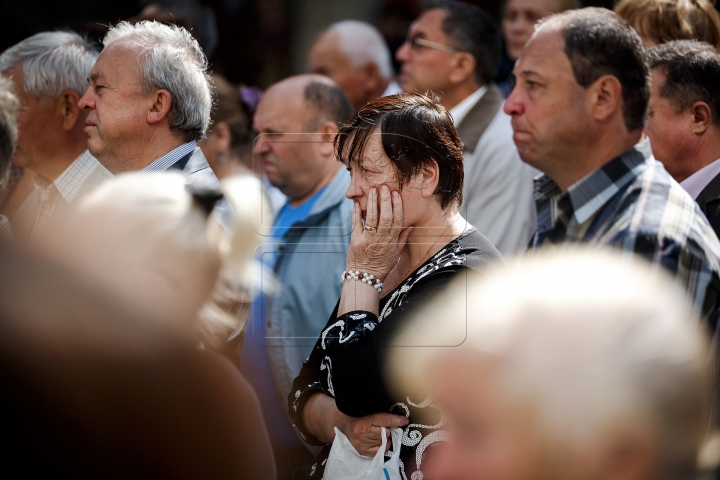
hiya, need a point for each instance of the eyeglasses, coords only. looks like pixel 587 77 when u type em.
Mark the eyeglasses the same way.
pixel 416 43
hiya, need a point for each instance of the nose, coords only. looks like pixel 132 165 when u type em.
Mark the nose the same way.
pixel 513 106
pixel 261 145
pixel 353 191
pixel 87 101
pixel 403 53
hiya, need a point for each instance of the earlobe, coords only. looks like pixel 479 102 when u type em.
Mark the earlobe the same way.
pixel 69 109
pixel 606 94
pixel 463 68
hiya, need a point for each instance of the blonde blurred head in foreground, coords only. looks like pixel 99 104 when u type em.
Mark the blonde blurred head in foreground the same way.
pixel 153 244
pixel 580 366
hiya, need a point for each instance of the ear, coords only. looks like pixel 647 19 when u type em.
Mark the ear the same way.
pixel 160 106
pixel 371 76
pixel 327 132
pixel 429 177
pixel 462 68
pixel 701 118
pixel 605 97
pixel 69 108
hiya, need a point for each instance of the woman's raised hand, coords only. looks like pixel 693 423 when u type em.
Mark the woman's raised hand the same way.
pixel 376 248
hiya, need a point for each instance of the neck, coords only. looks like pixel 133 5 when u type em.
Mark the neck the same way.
pixel 593 156
pixel 451 97
pixel 430 236
pixel 707 153
pixel 55 163
pixel 378 92
pixel 143 152
pixel 326 178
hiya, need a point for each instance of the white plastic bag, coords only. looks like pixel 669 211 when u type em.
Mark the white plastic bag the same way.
pixel 344 463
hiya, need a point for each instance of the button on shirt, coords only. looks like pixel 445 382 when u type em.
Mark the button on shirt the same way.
pixel 633 204
pixel 66 186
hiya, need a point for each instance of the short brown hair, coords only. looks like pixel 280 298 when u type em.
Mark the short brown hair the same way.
pixel 668 20
pixel 417 130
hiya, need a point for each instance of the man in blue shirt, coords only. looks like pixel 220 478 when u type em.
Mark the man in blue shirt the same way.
pixel 297 120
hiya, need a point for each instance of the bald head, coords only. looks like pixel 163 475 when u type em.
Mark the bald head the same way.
pixel 297 119
pixel 355 55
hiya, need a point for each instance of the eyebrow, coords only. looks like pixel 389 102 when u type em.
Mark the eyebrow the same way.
pixel 94 77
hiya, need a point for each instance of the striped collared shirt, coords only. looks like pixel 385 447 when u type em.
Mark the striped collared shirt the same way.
pixel 65 186
pixel 633 204
pixel 170 158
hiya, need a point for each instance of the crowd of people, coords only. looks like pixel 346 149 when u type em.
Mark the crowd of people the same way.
pixel 517 279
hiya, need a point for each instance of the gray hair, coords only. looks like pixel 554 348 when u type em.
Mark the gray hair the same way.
pixel 9 107
pixel 52 62
pixel 172 61
pixel 592 339
pixel 363 44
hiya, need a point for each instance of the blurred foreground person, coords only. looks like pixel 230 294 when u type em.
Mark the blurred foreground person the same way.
pixel 9 108
pixel 297 119
pixel 408 242
pixel 49 74
pixel 151 242
pixel 229 140
pixel 578 110
pixel 684 119
pixel 356 57
pixel 453 50
pixel 660 21
pixel 92 388
pixel 518 24
pixel 576 366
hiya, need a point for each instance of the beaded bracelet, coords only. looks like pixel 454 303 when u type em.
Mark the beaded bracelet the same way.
pixel 364 277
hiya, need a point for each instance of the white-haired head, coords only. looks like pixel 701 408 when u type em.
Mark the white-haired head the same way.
pixel 146 239
pixel 172 60
pixel 593 349
pixel 363 44
pixel 52 62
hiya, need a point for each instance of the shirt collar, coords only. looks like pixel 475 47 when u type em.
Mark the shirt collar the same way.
pixel 170 158
pixel 589 194
pixel 697 182
pixel 460 111
pixel 68 183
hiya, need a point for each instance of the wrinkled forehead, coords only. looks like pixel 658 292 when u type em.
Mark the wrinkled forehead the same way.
pixel 124 56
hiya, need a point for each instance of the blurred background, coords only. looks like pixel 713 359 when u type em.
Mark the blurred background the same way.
pixel 251 42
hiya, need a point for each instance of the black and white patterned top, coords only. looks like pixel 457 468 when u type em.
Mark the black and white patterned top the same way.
pixel 347 361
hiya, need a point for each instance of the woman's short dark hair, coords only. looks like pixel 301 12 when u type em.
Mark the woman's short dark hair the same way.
pixel 416 130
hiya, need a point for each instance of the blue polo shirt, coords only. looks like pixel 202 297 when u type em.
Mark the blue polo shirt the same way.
pixel 255 364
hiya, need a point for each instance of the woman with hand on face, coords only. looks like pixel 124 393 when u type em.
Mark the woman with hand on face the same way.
pixel 518 24
pixel 408 241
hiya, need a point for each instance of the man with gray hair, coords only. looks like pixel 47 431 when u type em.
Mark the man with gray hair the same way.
pixel 149 102
pixel 356 57
pixel 48 72
pixel 572 365
pixel 9 107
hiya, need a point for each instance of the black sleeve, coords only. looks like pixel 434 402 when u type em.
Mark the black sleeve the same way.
pixel 357 366
pixel 307 384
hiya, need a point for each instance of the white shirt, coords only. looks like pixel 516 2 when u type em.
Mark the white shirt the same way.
pixel 498 186
pixel 392 89
pixel 460 111
pixel 697 182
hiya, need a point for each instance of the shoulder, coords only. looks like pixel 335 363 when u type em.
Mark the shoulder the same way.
pixel 658 207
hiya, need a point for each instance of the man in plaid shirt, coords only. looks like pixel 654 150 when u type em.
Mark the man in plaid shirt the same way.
pixel 578 109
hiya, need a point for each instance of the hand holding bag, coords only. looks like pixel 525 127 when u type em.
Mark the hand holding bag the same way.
pixel 344 463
